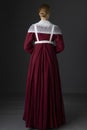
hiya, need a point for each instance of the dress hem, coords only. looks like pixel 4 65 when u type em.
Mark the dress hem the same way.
pixel 32 127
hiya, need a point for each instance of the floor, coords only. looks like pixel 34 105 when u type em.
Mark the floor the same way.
pixel 11 112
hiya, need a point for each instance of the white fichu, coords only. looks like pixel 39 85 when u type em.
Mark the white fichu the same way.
pixel 45 26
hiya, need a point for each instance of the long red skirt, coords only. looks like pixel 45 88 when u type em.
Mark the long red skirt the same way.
pixel 44 107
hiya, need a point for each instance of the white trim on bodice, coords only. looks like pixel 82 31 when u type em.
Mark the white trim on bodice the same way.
pixel 44 41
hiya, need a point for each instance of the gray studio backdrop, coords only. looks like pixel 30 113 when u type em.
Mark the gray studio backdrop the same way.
pixel 17 16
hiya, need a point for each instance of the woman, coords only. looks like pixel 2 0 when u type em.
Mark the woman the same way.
pixel 44 107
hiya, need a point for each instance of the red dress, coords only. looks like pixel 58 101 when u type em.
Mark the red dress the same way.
pixel 44 107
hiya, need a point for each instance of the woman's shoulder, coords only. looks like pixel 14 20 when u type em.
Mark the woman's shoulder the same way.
pixel 57 29
pixel 31 28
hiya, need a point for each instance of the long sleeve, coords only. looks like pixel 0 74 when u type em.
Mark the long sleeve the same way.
pixel 59 43
pixel 28 43
pixel 59 40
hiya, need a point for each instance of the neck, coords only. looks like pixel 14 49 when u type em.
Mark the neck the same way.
pixel 43 18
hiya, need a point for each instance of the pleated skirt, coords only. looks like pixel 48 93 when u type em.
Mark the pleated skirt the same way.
pixel 44 105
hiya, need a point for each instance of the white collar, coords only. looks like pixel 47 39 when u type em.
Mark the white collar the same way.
pixel 44 22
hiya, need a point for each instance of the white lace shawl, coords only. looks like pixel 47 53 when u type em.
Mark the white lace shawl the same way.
pixel 45 26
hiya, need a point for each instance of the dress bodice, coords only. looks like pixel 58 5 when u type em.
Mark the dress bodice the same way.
pixel 44 32
pixel 44 27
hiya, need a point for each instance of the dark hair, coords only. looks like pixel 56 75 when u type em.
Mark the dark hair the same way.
pixel 44 6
